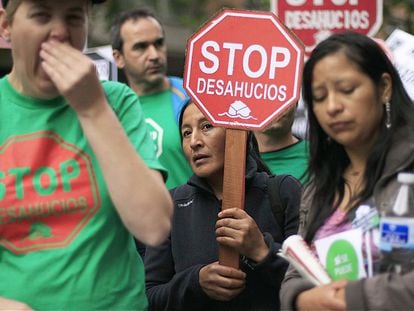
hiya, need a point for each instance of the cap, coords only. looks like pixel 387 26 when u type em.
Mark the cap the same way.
pixel 4 2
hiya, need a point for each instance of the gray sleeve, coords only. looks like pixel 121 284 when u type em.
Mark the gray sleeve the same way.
pixel 293 284
pixel 387 291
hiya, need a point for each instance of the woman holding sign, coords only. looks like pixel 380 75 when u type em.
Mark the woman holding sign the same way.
pixel 183 273
pixel 361 133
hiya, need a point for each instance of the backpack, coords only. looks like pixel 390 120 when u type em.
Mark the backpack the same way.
pixel 276 204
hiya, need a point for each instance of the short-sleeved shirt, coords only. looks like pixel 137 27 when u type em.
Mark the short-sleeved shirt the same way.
pixel 62 243
pixel 291 160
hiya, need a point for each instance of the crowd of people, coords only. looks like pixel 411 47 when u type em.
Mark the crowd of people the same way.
pixel 111 193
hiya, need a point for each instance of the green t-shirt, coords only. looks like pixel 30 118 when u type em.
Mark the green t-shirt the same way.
pixel 165 133
pixel 62 243
pixel 291 160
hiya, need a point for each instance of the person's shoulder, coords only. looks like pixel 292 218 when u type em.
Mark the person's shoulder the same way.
pixel 183 193
pixel 175 79
pixel 179 96
pixel 287 185
pixel 177 87
pixel 118 91
pixel 114 86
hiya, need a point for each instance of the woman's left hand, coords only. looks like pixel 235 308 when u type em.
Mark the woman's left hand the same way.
pixel 236 229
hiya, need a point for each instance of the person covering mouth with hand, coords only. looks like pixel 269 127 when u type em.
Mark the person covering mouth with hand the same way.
pixel 79 174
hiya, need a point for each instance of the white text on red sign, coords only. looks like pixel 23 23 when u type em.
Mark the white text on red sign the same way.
pixel 326 15
pixel 321 2
pixel 270 61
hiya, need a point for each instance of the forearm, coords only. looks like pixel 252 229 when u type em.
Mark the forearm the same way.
pixel 137 192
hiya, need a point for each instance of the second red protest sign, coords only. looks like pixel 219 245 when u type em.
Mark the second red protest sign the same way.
pixel 243 69
pixel 314 20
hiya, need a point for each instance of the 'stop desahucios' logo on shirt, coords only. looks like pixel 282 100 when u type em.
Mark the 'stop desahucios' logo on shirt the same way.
pixel 48 192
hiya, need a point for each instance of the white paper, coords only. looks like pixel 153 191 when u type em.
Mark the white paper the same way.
pixel 341 254
pixel 296 251
pixel 401 44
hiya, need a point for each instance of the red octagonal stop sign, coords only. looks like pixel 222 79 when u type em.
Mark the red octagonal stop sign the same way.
pixel 243 69
pixel 315 20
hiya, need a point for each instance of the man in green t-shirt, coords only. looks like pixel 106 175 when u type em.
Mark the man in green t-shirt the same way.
pixel 78 172
pixel 283 152
pixel 139 49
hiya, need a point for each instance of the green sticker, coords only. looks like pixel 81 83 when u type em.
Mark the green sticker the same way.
pixel 342 261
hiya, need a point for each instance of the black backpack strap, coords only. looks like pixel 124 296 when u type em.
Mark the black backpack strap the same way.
pixel 273 190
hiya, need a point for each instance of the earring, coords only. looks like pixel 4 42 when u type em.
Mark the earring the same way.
pixel 387 115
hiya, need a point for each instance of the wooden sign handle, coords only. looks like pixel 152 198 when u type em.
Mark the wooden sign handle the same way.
pixel 233 184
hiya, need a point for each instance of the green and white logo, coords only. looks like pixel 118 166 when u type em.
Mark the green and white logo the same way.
pixel 341 254
pixel 342 261
pixel 157 135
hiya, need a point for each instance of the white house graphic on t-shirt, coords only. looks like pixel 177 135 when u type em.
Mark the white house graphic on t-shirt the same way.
pixel 157 135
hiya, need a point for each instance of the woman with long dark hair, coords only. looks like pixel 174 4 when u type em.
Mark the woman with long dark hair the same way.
pixel 361 134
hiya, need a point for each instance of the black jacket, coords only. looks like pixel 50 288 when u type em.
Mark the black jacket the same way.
pixel 172 269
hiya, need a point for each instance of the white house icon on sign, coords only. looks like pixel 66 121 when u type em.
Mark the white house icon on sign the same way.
pixel 238 109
